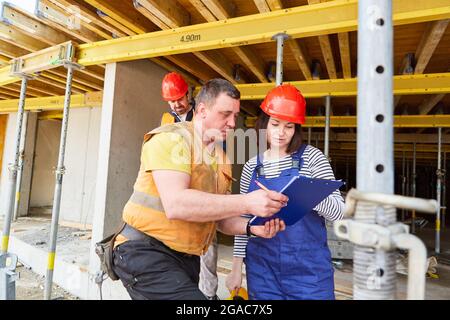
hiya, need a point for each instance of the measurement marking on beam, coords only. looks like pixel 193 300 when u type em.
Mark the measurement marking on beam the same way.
pixel 190 38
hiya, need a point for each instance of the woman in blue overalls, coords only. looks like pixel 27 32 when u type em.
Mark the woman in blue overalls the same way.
pixel 295 264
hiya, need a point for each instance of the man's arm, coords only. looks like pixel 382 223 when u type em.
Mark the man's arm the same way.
pixel 186 204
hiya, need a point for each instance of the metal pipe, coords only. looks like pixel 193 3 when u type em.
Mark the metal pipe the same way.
pixel 309 135
pixel 280 37
pixel 408 179
pixel 375 161
pixel 12 180
pixel 444 192
pixel 346 173
pixel 417 264
pixel 403 182
pixel 437 248
pixel 20 167
pixel 327 126
pixel 58 186
pixel 413 217
pixel 354 195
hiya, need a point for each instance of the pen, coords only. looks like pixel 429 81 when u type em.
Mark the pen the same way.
pixel 263 187
pixel 259 184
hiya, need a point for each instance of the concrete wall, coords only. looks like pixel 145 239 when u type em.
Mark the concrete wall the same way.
pixel 45 161
pixel 78 190
pixel 8 157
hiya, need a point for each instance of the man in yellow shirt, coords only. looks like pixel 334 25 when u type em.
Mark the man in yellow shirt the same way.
pixel 180 197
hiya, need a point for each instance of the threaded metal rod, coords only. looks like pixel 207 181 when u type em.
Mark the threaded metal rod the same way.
pixel 58 188
pixel 11 189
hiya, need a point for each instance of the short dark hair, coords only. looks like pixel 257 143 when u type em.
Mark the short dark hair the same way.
pixel 213 88
pixel 297 140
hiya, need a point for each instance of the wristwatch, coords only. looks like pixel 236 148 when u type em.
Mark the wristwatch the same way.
pixel 248 230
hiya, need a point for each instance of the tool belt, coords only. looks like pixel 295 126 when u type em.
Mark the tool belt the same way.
pixel 104 249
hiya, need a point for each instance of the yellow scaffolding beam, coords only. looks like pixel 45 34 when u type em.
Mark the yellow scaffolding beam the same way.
pixel 46 59
pixel 403 84
pixel 304 21
pixel 90 99
pixel 418 121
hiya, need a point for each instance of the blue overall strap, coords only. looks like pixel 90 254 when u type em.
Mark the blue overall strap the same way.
pixel 297 161
pixel 259 169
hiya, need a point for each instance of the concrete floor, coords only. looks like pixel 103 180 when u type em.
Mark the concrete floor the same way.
pixel 74 243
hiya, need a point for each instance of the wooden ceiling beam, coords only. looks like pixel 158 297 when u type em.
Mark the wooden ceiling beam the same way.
pixel 24 22
pixel 61 20
pixel 11 51
pixel 297 47
pixel 428 43
pixel 88 16
pixel 168 16
pixel 325 46
pixel 344 48
pixel 40 87
pixel 169 12
pixel 30 91
pixel 123 12
pixel 213 10
pixel 20 39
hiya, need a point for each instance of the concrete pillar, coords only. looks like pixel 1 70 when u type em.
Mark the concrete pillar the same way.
pixel 8 154
pixel 132 105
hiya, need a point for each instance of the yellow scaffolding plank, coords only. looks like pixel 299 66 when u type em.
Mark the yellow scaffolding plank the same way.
pixel 90 99
pixel 416 121
pixel 304 21
pixel 403 84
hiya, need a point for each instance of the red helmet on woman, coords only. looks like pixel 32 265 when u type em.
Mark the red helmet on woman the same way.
pixel 174 87
pixel 285 102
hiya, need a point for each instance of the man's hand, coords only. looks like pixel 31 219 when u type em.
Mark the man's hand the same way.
pixel 269 229
pixel 265 203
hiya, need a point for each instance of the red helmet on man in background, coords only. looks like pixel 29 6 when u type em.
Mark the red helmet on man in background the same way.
pixel 174 87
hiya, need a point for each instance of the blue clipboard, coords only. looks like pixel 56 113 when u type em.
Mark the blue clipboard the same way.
pixel 304 194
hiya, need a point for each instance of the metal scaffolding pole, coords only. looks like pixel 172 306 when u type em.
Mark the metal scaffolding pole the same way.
pixel 12 180
pixel 444 192
pixel 413 191
pixel 60 170
pixel 327 127
pixel 309 135
pixel 374 269
pixel 280 37
pixel 7 268
pixel 20 167
pixel 437 247
pixel 403 183
pixel 346 173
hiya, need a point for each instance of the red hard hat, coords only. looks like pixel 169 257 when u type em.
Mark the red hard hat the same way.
pixel 173 87
pixel 285 102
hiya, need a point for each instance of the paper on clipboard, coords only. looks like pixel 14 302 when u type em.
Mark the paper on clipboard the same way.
pixel 304 194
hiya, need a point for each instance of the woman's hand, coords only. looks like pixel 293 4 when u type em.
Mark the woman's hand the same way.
pixel 269 229
pixel 234 279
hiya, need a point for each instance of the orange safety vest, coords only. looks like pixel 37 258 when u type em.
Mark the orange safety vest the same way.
pixel 145 212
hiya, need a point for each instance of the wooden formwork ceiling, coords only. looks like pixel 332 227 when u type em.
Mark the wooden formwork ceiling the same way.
pixel 329 56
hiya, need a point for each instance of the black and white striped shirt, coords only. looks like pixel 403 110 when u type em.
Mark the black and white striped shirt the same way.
pixel 315 165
